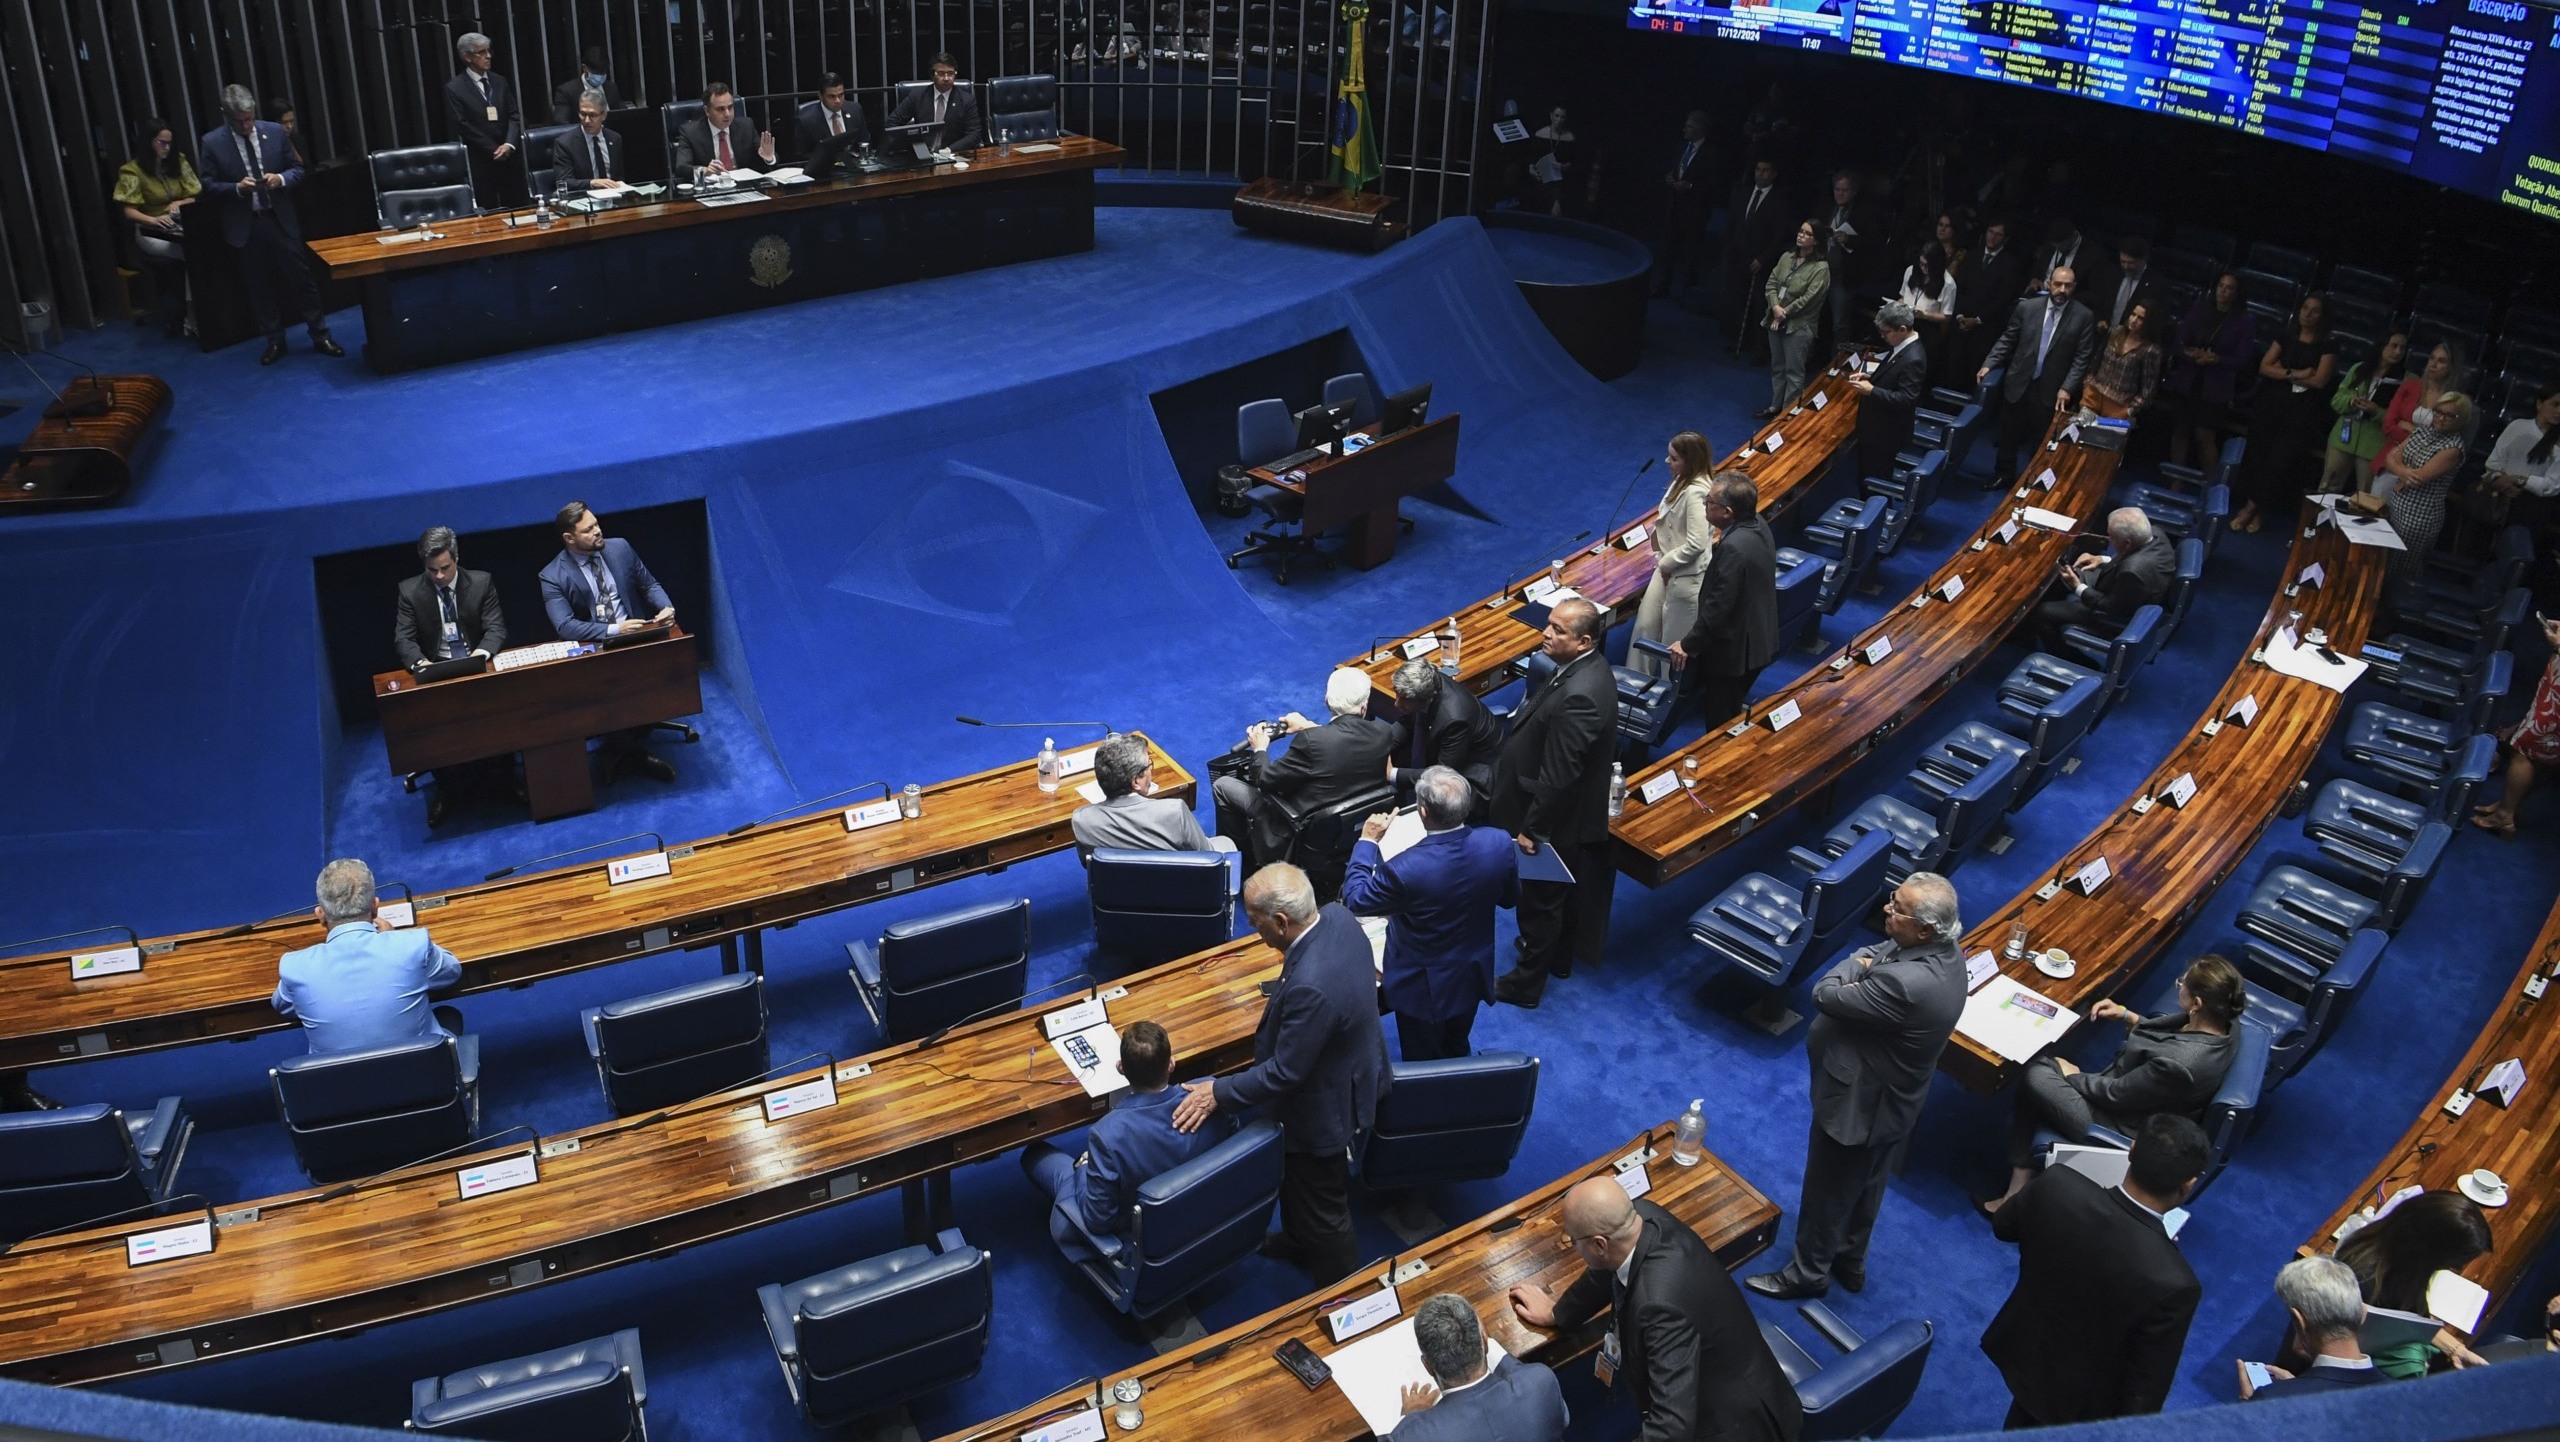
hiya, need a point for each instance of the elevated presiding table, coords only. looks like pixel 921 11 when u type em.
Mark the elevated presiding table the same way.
pixel 725 890
pixel 485 286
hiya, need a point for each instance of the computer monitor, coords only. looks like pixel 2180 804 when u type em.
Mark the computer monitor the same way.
pixel 1405 410
pixel 1322 425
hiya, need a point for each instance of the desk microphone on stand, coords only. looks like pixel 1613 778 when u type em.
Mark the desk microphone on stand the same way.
pixel 1612 528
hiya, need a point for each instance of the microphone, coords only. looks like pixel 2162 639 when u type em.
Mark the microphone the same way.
pixel 159 1207
pixel 503 872
pixel 1092 989
pixel 360 1183
pixel 1394 645
pixel 64 407
pixel 1085 1399
pixel 1615 511
pixel 1504 594
pixel 662 1113
pixel 1108 730
pixel 743 829
pixel 130 939
pixel 246 927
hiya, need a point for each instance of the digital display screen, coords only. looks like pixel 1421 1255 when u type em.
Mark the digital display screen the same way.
pixel 2463 93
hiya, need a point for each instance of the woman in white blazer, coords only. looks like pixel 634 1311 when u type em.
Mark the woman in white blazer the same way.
pixel 1681 543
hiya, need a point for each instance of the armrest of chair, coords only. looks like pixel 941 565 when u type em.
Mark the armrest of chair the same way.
pixel 1837 1332
pixel 1810 858
pixel 2285 972
pixel 587 1024
pixel 2091 640
pixel 1650 648
pixel 466 1056
pixel 865 972
pixel 1107 1246
pixel 779 1323
pixel 152 1134
pixel 949 1240
pixel 423 1394
pixel 1889 1349
pixel 2361 859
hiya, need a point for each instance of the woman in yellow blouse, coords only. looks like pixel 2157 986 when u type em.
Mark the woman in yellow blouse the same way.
pixel 154 188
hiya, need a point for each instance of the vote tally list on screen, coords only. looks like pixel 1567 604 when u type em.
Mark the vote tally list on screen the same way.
pixel 2464 93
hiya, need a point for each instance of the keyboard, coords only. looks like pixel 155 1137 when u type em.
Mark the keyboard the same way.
pixel 510 659
pixel 1292 461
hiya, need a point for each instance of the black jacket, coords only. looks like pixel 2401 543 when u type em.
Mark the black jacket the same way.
pixel 2127 583
pixel 1688 1346
pixel 1332 762
pixel 1736 632
pixel 1552 779
pixel 1768 231
pixel 813 125
pixel 1459 733
pixel 1319 1055
pixel 573 164
pixel 696 146
pixel 1988 289
pixel 959 130
pixel 2095 1325
pixel 2066 360
pixel 418 632
pixel 1884 413
pixel 469 113
pixel 564 99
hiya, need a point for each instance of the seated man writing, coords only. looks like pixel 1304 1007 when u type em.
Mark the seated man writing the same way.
pixel 2106 589
pixel 1132 1144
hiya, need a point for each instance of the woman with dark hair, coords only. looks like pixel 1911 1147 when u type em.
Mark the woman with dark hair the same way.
pixel 1929 288
pixel 2128 368
pixel 1794 292
pixel 2355 438
pixel 1682 541
pixel 2395 1255
pixel 2173 1062
pixel 2524 465
pixel 2533 745
pixel 154 188
pixel 2214 343
pixel 2285 421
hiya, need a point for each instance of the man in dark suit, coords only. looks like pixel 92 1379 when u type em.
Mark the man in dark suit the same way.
pixel 590 76
pixel 1319 1064
pixel 1679 1330
pixel 1987 287
pixel 2042 354
pixel 1324 764
pixel 1684 209
pixel 948 107
pixel 1736 633
pixel 1090 1192
pixel 591 157
pixel 487 118
pixel 1465 1401
pixel 249 179
pixel 2095 1324
pixel 2133 276
pixel 597 588
pixel 1853 240
pixel 1438 896
pixel 446 613
pixel 1442 725
pixel 720 138
pixel 2105 590
pixel 829 116
pixel 1881 1018
pixel 1758 221
pixel 1551 790
pixel 2327 1307
pixel 2062 245
pixel 1889 391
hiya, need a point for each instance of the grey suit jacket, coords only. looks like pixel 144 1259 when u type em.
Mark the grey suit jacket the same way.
pixel 1137 823
pixel 2066 360
pixel 1520 1402
pixel 2160 1068
pixel 694 145
pixel 1876 1036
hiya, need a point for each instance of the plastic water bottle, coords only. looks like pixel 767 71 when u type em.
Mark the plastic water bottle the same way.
pixel 1689 1134
pixel 1048 764
pixel 1555 575
pixel 1617 788
pixel 542 211
pixel 1004 140
pixel 1449 648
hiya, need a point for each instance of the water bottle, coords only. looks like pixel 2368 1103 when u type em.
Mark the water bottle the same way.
pixel 1004 140
pixel 1617 788
pixel 1449 648
pixel 1689 1134
pixel 542 210
pixel 1048 764
pixel 1555 575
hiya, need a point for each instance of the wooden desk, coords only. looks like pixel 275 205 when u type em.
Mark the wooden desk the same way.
pixel 1492 635
pixel 70 461
pixel 2167 862
pixel 1360 490
pixel 2520 1143
pixel 1227 1385
pixel 1847 706
pixel 210 985
pixel 486 287
pixel 316 1262
pixel 546 710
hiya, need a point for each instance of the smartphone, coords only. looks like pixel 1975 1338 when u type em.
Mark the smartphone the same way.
pixel 2257 1374
pixel 1303 1363
pixel 1081 1052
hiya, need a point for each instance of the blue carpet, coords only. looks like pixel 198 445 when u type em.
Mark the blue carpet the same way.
pixel 1000 530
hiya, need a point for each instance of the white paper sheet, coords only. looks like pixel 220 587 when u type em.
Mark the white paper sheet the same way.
pixel 2050 520
pixel 1402 832
pixel 1101 1076
pixel 2457 1301
pixel 2287 659
pixel 2369 531
pixel 1372 1371
pixel 1375 928
pixel 2012 1021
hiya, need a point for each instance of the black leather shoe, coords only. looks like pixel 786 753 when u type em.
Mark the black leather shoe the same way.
pixel 1784 1288
pixel 1511 992
pixel 655 768
pixel 1853 1278
pixel 1764 413
pixel 439 806
pixel 1279 1248
pixel 323 344
pixel 274 352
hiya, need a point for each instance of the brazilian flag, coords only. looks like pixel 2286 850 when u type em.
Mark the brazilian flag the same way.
pixel 1354 141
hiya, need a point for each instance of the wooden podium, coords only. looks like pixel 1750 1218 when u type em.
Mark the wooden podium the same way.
pixel 85 460
pixel 1296 210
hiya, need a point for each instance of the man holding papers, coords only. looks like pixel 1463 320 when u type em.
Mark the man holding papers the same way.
pixel 1438 896
pixel 2327 1308
pixel 1551 792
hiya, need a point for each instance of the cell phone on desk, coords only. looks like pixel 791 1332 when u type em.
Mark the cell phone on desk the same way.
pixel 1303 1363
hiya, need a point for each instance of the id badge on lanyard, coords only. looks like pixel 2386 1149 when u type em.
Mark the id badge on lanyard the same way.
pixel 1605 1366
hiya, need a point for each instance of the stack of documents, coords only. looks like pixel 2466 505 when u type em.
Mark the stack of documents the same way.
pixel 2012 1021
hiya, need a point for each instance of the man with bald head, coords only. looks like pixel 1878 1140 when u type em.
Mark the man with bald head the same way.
pixel 1882 1016
pixel 1679 1331
pixel 2043 354
pixel 1551 789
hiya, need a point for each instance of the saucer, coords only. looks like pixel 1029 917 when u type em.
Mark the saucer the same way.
pixel 2044 963
pixel 2480 1194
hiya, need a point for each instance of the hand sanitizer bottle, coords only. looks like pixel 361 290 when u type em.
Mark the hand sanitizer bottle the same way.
pixel 1048 764
pixel 1689 1134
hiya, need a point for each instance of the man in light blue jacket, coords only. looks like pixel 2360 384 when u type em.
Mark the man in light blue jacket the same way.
pixel 364 986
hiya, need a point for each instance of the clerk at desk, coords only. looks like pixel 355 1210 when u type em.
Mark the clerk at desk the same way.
pixel 596 588
pixel 947 107
pixel 447 613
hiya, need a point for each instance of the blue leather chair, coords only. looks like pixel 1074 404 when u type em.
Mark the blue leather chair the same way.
pixel 1908 493
pixel 354 1113
pixel 2369 832
pixel 1023 106
pixel 1864 1389
pixel 420 182
pixel 1457 1120
pixel 76 1164
pixel 2423 751
pixel 2182 588
pixel 672 1046
pixel 1799 598
pixel 2053 736
pixel 1320 841
pixel 1265 432
pixel 2299 1020
pixel 1353 387
pixel 2312 916
pixel 1646 702
pixel 1848 533
pixel 2441 676
pixel 868 1337
pixel 1768 926
pixel 2119 657
pixel 1153 906
pixel 2186 517
pixel 1190 1223
pixel 1925 840
pixel 2227 1118
pixel 2454 594
pixel 2038 681
pixel 937 971
pixel 595 1391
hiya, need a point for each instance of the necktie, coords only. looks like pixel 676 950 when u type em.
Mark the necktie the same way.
pixel 2052 316
pixel 444 598
pixel 603 171
pixel 1753 208
pixel 607 600
pixel 728 160
pixel 941 98
pixel 835 122
pixel 249 148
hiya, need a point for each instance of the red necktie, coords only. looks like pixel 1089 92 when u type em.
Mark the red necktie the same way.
pixel 727 160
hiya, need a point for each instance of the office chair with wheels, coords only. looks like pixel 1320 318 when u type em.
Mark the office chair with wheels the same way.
pixel 1265 432
pixel 70 1165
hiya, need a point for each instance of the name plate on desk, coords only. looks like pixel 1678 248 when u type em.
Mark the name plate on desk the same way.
pixel 115 962
pixel 815 1094
pixel 1785 716
pixel 1083 1425
pixel 2246 711
pixel 1820 400
pixel 1950 588
pixel 1655 788
pixel 2089 878
pixel 1876 650
pixel 2045 479
pixel 1089 1012
pixel 188 1239
pixel 2312 575
pixel 396 914
pixel 878 813
pixel 637 868
pixel 1775 440
pixel 1636 536
pixel 499 1176
pixel 1360 1315
pixel 1418 647
pixel 1077 763
pixel 1539 590
pixel 2181 791
pixel 2006 534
